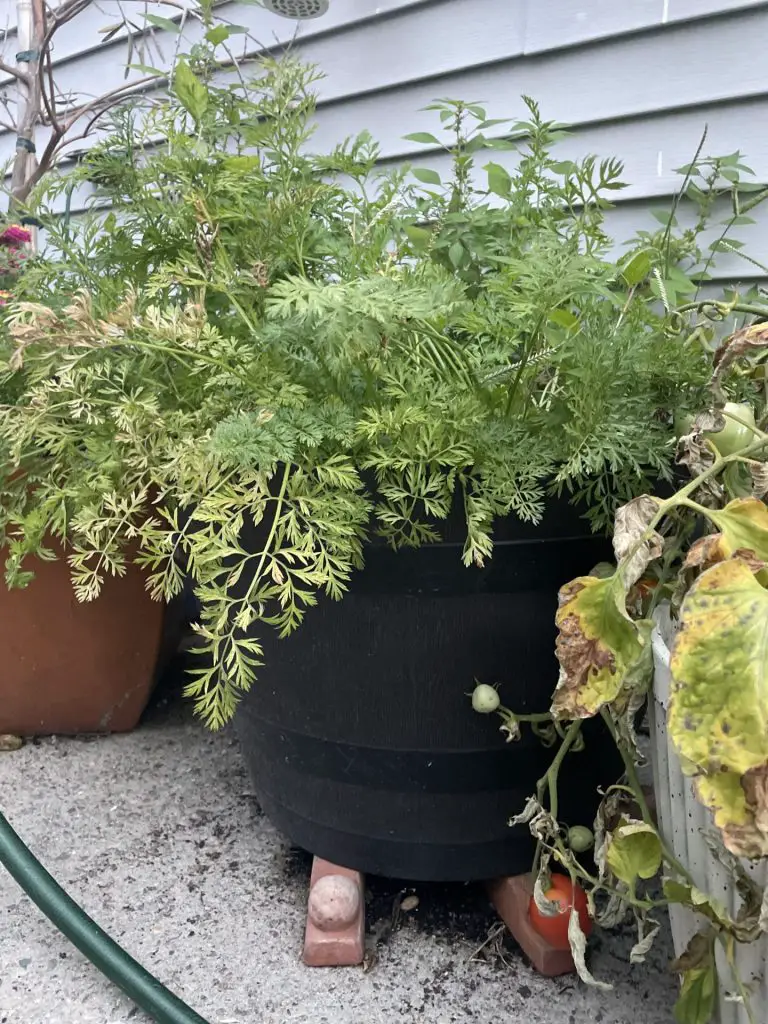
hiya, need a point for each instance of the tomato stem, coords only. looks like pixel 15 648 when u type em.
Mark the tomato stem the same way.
pixel 637 791
pixel 548 782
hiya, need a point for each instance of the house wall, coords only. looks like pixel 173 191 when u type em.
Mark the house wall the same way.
pixel 639 79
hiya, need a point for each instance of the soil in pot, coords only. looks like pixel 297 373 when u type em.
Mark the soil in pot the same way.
pixel 359 732
pixel 72 668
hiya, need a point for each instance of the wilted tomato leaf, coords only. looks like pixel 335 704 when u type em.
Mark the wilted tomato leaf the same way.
pixel 694 449
pixel 632 521
pixel 578 943
pixel 708 551
pixel 598 646
pixel 645 939
pixel 634 851
pixel 743 526
pixel 719 697
pixel 736 811
pixel 759 474
pixel 698 992
pixel 743 342
pixel 707 906
pixel 695 1005
pixel 718 713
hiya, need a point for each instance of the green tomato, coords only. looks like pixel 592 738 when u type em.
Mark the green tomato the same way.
pixel 734 436
pixel 485 699
pixel 580 838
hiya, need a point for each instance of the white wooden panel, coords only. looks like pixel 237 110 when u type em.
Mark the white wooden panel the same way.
pixel 684 65
pixel 687 65
pixel 429 42
pixel 637 79
pixel 547 25
pixel 715 59
pixel 83 34
pixel 360 58
pixel 7 18
pixel 558 23
pixel 701 8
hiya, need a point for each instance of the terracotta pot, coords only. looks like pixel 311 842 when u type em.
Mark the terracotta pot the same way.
pixel 67 667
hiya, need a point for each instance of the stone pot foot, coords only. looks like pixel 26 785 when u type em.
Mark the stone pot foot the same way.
pixel 335 935
pixel 511 897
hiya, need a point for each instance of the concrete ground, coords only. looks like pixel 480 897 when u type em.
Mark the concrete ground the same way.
pixel 158 837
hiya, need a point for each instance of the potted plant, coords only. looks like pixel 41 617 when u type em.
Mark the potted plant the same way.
pixel 67 666
pixel 680 621
pixel 280 368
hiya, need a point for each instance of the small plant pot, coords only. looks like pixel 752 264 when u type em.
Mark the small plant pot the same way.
pixel 684 822
pixel 72 668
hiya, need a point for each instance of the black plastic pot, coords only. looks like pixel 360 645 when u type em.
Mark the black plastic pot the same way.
pixel 359 732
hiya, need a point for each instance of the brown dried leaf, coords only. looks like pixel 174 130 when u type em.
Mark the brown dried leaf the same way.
pixel 632 521
pixel 697 953
pixel 704 552
pixel 759 473
pixel 737 345
pixel 742 826
pixel 755 786
pixel 578 943
pixel 694 450
pixel 709 550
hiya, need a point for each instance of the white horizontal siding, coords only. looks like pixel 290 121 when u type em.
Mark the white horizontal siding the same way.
pixel 552 24
pixel 84 33
pixel 483 45
pixel 637 79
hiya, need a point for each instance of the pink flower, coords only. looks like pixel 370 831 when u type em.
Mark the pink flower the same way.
pixel 15 235
pixel 4 297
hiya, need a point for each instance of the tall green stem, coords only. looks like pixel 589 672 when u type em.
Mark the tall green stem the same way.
pixel 634 782
pixel 549 781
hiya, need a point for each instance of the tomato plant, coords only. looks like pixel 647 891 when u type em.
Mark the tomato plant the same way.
pixel 565 895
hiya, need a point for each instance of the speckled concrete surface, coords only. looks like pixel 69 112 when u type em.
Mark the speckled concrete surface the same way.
pixel 156 835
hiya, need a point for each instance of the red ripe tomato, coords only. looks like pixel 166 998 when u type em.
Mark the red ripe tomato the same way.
pixel 555 929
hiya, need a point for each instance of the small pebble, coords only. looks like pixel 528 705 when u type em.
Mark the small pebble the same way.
pixel 9 742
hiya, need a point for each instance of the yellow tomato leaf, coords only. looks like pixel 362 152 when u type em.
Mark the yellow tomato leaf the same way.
pixel 600 649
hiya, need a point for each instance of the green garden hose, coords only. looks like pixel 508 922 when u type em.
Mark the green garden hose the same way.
pixel 137 983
